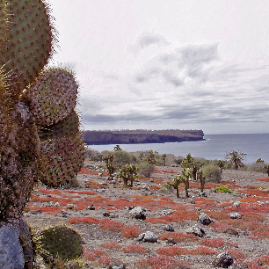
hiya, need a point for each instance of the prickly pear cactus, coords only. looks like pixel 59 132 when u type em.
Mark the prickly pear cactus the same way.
pixel 39 129
pixel 59 241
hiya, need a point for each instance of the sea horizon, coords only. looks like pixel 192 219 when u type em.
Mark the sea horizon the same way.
pixel 214 146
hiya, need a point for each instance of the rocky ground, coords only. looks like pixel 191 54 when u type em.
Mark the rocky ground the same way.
pixel 101 210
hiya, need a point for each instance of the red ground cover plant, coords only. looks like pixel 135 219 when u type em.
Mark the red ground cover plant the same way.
pixel 179 237
pixel 236 253
pixel 103 261
pixel 258 262
pixel 55 191
pixel 111 245
pixel 87 171
pixel 88 220
pixel 111 225
pixel 53 210
pixel 61 201
pixel 88 256
pixel 162 262
pixel 263 179
pixel 121 203
pixel 130 231
pixel 99 252
pixel 94 185
pixel 220 227
pixel 111 208
pixel 164 171
pixel 230 184
pixel 213 243
pixel 250 191
pixel 154 188
pixel 134 248
pixel 175 250
pixel 81 192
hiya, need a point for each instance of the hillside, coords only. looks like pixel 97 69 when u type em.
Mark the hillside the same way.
pixel 141 136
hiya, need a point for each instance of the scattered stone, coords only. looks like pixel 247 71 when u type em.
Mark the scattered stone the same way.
pixel 204 219
pixel 150 237
pixel 213 190
pixel 100 190
pixel 90 207
pixel 169 228
pixel 231 231
pixel 114 216
pixel 70 206
pixel 196 230
pixel 144 186
pixel 192 201
pixel 168 211
pixel 223 260
pixel 50 204
pixel 203 194
pixel 237 203
pixel 235 215
pixel 138 213
pixel 171 241
pixel 116 265
pixel 113 181
pixel 100 174
pixel 141 237
pixel 106 214
pixel 38 211
pixel 11 253
pixel 64 213
pixel 57 204
pixel 151 180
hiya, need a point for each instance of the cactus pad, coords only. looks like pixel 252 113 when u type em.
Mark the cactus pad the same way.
pixel 29 39
pixel 69 126
pixel 61 159
pixel 53 96
pixel 60 242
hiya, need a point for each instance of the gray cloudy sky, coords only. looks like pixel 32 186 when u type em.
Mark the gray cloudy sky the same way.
pixel 161 64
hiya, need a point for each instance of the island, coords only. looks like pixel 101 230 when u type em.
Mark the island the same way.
pixel 140 136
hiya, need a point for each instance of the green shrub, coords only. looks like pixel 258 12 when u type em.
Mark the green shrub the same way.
pixel 93 155
pixel 123 157
pixel 212 173
pixel 256 167
pixel 223 188
pixel 145 168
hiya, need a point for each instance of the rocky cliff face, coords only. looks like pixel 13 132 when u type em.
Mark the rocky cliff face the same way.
pixel 141 136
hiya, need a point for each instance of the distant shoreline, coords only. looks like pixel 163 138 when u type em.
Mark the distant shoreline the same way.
pixel 141 136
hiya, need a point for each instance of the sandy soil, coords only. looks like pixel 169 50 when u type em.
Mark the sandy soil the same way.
pixel 94 236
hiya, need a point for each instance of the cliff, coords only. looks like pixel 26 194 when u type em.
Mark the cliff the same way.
pixel 140 136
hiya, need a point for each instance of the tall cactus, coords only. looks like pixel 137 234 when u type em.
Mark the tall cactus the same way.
pixel 39 128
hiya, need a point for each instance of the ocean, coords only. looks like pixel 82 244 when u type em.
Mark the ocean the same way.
pixel 213 147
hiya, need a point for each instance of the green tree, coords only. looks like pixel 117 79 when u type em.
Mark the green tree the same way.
pixel 236 158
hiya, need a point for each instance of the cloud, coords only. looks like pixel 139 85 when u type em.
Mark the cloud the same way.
pixel 146 40
pixel 173 86
pixel 178 65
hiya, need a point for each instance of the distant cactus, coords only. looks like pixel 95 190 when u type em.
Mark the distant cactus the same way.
pixel 39 128
pixel 184 178
pixel 128 173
